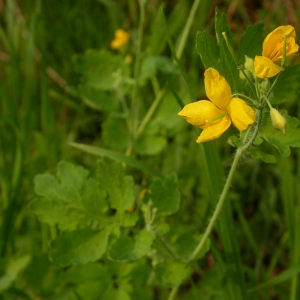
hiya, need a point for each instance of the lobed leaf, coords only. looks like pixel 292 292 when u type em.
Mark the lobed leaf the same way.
pixel 79 247
pixel 70 199
pixel 100 68
pixel 120 188
pixel 251 42
pixel 171 274
pixel 287 87
pixel 281 141
pixel 164 194
pixel 128 249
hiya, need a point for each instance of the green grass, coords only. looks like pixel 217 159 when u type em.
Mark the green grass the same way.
pixel 57 104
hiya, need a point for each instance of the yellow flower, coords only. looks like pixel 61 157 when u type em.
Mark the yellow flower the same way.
pixel 121 39
pixel 268 65
pixel 215 116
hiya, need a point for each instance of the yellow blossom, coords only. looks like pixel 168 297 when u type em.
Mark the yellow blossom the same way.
pixel 215 116
pixel 121 39
pixel 268 65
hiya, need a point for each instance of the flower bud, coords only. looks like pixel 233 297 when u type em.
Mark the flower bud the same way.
pixel 249 64
pixel 242 76
pixel 264 85
pixel 278 121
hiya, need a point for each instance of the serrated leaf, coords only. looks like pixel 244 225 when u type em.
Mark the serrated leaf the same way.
pixel 287 87
pixel 251 42
pixel 99 68
pixel 171 274
pixel 281 141
pixel 120 188
pixel 208 50
pixel 13 268
pixel 79 246
pixel 128 249
pixel 164 194
pixel 70 199
pixel 267 158
pixel 229 69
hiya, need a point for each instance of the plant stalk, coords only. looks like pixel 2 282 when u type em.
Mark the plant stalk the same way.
pixel 227 185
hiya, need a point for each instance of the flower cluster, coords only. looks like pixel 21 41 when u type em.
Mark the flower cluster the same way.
pixel 215 116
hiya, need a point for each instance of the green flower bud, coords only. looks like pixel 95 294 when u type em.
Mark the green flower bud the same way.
pixel 249 64
pixel 278 121
pixel 242 76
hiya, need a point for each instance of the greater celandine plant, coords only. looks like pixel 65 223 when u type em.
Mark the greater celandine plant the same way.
pixel 249 116
pixel 99 224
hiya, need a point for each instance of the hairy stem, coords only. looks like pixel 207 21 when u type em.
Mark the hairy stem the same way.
pixel 227 185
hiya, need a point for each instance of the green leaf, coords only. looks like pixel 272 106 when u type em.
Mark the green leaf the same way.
pixel 70 199
pixel 152 64
pixel 171 274
pixel 229 69
pixel 128 249
pixel 251 42
pixel 208 50
pixel 287 87
pixel 267 158
pixel 217 55
pixel 79 246
pixel 117 156
pixel 150 144
pixel 120 188
pixel 281 141
pixel 114 133
pixel 14 266
pixel 98 99
pixel 100 69
pixel 164 194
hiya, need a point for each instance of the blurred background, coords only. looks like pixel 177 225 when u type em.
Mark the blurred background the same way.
pixel 45 103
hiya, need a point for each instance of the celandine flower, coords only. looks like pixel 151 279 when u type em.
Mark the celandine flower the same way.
pixel 216 115
pixel 121 39
pixel 268 65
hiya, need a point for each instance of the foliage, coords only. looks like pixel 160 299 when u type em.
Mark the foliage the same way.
pixel 104 193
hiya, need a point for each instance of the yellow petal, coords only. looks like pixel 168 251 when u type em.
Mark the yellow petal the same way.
pixel 217 89
pixel 241 114
pixel 274 41
pixel 121 39
pixel 200 113
pixel 265 68
pixel 214 131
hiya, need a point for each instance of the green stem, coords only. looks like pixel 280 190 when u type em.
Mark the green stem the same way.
pixel 273 85
pixel 257 88
pixel 243 96
pixel 187 28
pixel 135 100
pixel 173 293
pixel 150 112
pixel 227 185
